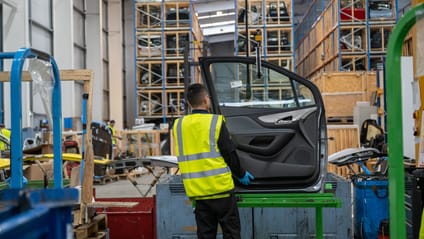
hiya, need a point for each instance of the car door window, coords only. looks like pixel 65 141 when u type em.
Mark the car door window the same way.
pixel 241 85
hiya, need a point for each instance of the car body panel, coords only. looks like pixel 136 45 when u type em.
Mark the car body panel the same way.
pixel 149 45
pixel 276 119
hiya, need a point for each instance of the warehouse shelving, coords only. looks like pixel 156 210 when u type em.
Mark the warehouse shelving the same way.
pixel 343 35
pixel 164 32
pixel 273 21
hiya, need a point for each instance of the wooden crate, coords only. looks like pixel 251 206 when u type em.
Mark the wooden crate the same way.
pixel 344 136
pixel 141 142
pixel 341 90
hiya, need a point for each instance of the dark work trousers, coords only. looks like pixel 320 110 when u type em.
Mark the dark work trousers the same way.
pixel 210 212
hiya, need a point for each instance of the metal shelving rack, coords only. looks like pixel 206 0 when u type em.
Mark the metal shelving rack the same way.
pixel 163 29
pixel 267 18
pixel 344 35
pixel 160 69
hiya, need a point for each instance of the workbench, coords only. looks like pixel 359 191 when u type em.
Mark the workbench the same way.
pixel 293 200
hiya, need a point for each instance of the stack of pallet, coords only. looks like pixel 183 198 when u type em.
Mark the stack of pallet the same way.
pixel 96 229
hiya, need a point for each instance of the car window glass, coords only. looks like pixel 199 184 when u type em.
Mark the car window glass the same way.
pixel 240 85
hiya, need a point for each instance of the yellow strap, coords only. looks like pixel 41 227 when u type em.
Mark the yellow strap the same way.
pixel 422 226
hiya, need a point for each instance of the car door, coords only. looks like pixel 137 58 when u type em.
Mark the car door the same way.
pixel 276 119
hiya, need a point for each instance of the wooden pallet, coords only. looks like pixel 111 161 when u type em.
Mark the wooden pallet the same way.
pixel 100 235
pixel 105 179
pixel 95 229
pixel 124 176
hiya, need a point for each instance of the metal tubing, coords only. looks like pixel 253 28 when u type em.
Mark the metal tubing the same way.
pixel 57 127
pixel 394 123
pixel 16 116
pixel 84 132
pixel 7 55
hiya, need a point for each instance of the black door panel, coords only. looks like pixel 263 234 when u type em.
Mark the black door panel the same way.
pixel 275 118
pixel 263 144
pixel 279 152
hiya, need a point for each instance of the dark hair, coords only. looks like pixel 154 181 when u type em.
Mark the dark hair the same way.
pixel 195 93
pixel 112 121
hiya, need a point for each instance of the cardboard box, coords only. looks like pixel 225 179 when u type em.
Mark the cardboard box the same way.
pixel 75 177
pixel 34 172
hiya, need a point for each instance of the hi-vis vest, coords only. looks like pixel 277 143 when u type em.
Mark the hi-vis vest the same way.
pixel 113 132
pixel 6 133
pixel 203 169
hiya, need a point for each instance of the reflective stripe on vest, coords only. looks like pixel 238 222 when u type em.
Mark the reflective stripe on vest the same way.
pixel 203 174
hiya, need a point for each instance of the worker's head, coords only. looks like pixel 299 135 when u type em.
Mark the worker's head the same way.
pixel 198 97
pixel 1 125
pixel 112 122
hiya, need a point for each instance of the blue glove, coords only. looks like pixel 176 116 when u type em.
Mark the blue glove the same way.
pixel 245 180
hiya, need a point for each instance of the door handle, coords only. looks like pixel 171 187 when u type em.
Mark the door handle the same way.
pixel 285 120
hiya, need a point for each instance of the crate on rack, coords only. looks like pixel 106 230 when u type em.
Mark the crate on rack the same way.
pixel 177 14
pixel 286 62
pixel 174 74
pixel 175 43
pixel 379 38
pixel 255 12
pixel 150 103
pixel 278 41
pixel 278 12
pixel 175 102
pixel 149 45
pixel 353 39
pixel 149 74
pixel 148 15
pixel 358 62
pixel 352 10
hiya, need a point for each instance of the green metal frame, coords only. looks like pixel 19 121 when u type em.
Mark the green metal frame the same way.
pixel 292 200
pixel 394 122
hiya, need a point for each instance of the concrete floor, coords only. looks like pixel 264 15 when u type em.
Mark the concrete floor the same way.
pixel 123 188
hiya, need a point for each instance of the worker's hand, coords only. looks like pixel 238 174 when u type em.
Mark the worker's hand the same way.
pixel 245 180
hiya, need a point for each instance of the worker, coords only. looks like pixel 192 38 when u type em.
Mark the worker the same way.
pixel 114 137
pixel 207 160
pixel 6 133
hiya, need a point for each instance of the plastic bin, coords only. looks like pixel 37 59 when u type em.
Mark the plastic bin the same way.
pixel 37 214
pixel 371 206
pixel 136 222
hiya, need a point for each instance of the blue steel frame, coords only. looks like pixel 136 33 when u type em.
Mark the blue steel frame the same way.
pixel 19 58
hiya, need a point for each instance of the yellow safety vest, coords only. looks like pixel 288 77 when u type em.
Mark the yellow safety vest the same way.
pixel 112 130
pixel 6 133
pixel 203 169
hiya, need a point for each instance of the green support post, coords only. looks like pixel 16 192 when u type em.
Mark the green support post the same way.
pixel 394 122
